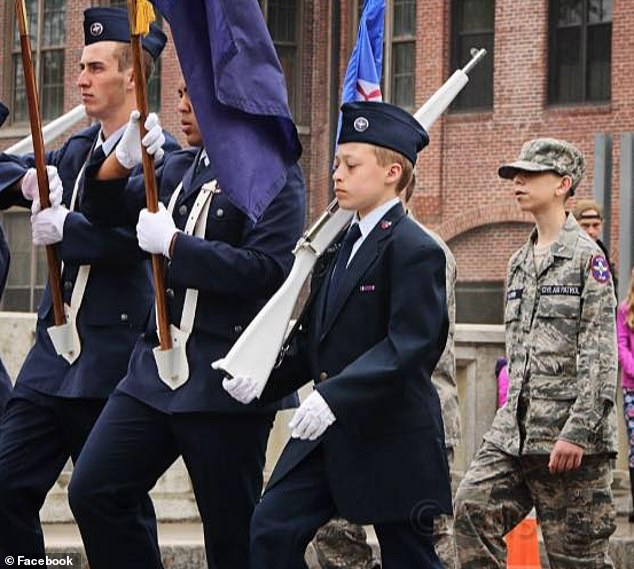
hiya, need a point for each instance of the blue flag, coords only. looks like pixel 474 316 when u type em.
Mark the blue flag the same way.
pixel 238 90
pixel 363 76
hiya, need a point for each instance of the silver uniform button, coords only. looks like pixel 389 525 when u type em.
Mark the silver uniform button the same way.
pixel 124 317
pixel 237 329
pixel 220 212
pixel 182 210
pixel 68 285
pixel 169 292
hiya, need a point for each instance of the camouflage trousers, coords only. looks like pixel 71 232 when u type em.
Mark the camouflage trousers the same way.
pixel 343 545
pixel 575 509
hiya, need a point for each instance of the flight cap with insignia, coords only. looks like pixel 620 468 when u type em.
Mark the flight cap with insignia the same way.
pixel 547 155
pixel 383 125
pixel 111 24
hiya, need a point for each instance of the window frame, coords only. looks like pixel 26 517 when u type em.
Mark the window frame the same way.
pixel 294 88
pixel 389 40
pixel 552 98
pixel 15 59
pixel 33 288
pixel 460 104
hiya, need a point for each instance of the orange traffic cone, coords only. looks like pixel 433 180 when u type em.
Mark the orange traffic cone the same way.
pixel 522 545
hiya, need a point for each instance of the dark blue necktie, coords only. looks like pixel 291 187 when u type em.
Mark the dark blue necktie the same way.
pixel 348 242
pixel 98 154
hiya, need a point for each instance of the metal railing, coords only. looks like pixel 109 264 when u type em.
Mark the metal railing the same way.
pixel 51 131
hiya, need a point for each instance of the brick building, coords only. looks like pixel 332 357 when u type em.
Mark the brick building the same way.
pixel 559 68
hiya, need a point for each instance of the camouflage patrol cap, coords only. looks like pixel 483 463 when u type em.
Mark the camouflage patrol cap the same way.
pixel 547 155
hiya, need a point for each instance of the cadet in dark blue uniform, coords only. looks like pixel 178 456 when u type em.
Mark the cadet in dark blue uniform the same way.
pixel 233 266
pixel 5 381
pixel 55 403
pixel 367 444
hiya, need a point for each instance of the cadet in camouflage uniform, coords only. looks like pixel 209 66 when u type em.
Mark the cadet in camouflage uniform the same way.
pixel 341 544
pixel 550 445
pixel 444 380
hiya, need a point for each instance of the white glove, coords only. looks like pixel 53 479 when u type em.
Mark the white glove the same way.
pixel 155 231
pixel 312 418
pixel 30 188
pixel 128 151
pixel 242 389
pixel 47 225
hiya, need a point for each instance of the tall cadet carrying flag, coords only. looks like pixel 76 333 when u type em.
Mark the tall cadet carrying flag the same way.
pixel 231 223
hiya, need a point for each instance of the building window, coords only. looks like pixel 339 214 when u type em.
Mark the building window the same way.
pixel 28 271
pixel 398 81
pixel 47 33
pixel 283 19
pixel 480 302
pixel 399 54
pixel 580 51
pixel 473 23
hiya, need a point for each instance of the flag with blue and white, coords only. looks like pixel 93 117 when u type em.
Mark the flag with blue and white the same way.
pixel 363 76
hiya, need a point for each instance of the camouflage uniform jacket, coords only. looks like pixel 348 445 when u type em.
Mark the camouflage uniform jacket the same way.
pixel 561 347
pixel 444 375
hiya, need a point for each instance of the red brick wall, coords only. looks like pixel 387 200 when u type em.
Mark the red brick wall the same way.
pixel 457 173
pixel 458 192
pixel 486 246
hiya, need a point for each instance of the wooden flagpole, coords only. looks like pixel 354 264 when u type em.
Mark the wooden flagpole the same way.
pixel 40 163
pixel 141 14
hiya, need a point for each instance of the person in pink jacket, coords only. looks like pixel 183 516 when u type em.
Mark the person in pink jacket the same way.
pixel 625 339
pixel 502 376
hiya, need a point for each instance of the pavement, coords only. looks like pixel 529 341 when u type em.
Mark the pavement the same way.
pixel 182 544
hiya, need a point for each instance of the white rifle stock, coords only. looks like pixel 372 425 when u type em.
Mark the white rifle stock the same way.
pixel 255 352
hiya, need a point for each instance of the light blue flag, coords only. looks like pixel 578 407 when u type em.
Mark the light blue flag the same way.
pixel 363 76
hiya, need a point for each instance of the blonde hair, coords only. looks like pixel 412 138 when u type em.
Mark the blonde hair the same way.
pixel 584 205
pixel 629 303
pixel 123 56
pixel 386 156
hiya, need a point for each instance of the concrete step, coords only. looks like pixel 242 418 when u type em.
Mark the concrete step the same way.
pixel 182 545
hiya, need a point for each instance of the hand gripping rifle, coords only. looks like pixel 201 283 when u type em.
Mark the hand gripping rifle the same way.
pixel 255 352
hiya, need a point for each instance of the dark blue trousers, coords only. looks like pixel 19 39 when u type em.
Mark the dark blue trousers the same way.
pixel 292 511
pixel 131 445
pixel 38 434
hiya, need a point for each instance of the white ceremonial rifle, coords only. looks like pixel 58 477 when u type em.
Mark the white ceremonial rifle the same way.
pixel 255 352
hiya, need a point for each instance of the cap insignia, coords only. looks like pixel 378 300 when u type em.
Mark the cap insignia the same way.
pixel 361 124
pixel 96 29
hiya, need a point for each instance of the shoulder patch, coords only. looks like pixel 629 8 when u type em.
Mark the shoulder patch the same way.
pixel 600 269
pixel 515 294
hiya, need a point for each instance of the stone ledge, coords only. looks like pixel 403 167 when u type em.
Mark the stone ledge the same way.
pixel 182 545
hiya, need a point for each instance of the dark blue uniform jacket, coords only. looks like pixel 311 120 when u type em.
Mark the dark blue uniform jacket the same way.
pixel 5 381
pixel 236 268
pixel 372 360
pixel 119 293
